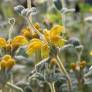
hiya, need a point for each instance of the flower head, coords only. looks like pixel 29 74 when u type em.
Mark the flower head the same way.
pixel 37 25
pixel 6 57
pixel 10 63
pixel 26 32
pixel 8 46
pixel 53 61
pixel 56 30
pixel 2 42
pixel 7 62
pixel 47 34
pixel 36 44
pixel 33 46
pixel 53 35
pixel 19 41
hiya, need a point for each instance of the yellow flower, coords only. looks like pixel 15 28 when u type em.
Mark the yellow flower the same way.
pixel 37 25
pixel 6 57
pixel 8 46
pixel 56 30
pixel 45 51
pixel 34 45
pixel 2 42
pixel 55 39
pixel 19 41
pixel 36 40
pixel 10 63
pixel 26 32
pixel 53 36
pixel 47 34
pixel 7 62
pixel 2 64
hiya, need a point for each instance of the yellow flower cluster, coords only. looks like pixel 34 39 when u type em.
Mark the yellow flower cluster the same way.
pixel 19 41
pixel 36 44
pixel 33 46
pixel 15 42
pixel 2 42
pixel 82 65
pixel 7 62
pixel 52 37
pixel 5 44
pixel 26 32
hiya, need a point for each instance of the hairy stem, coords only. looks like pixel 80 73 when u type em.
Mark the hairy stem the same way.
pixel 12 23
pixel 80 74
pixel 3 89
pixel 62 69
pixel 39 33
pixel 11 81
pixel 63 15
pixel 52 88
pixel 12 86
pixel 29 6
pixel 63 3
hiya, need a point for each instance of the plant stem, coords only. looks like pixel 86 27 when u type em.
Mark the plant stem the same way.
pixel 10 32
pixel 80 84
pixel 52 88
pixel 63 15
pixel 3 89
pixel 80 74
pixel 63 3
pixel 11 81
pixel 62 69
pixel 29 6
pixel 11 28
pixel 29 19
pixel 16 88
pixel 38 56
pixel 36 31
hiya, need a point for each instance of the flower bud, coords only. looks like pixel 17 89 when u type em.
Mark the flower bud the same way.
pixel 19 8
pixel 24 12
pixel 10 63
pixel 53 61
pixel 74 41
pixel 3 64
pixel 74 66
pixel 83 64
